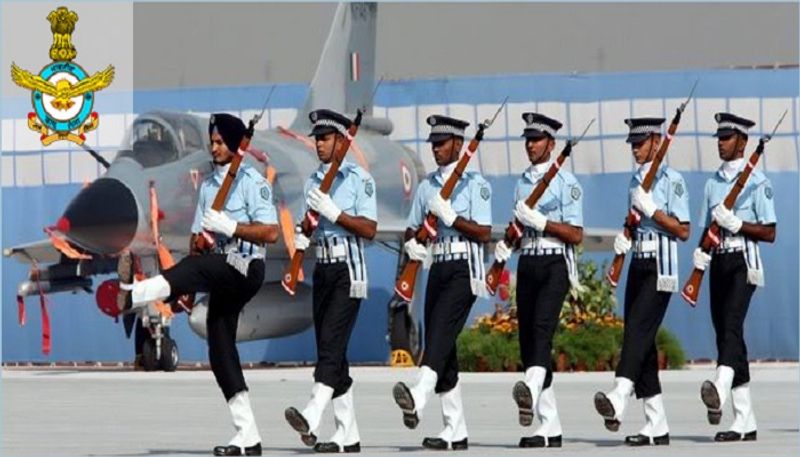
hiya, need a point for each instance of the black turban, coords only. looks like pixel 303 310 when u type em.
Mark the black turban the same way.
pixel 229 127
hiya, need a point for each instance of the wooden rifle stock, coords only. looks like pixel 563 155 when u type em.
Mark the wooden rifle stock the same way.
pixel 515 227
pixel 404 286
pixel 633 218
pixel 311 218
pixel 691 289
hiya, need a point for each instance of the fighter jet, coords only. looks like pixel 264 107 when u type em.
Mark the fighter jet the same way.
pixel 146 200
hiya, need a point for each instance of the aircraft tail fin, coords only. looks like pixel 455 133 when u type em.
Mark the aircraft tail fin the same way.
pixel 345 76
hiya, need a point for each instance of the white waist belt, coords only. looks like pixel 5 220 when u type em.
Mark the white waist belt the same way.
pixel 332 252
pixel 547 242
pixel 732 242
pixel 245 248
pixel 455 247
pixel 644 246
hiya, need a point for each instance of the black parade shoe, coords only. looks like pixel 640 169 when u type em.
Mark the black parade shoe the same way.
pixel 438 444
pixel 540 441
pixel 604 407
pixel 403 398
pixel 710 397
pixel 333 448
pixel 644 440
pixel 724 437
pixel 236 450
pixel 300 425
pixel 524 399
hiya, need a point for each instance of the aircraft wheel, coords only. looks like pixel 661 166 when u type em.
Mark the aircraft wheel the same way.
pixel 149 360
pixel 169 354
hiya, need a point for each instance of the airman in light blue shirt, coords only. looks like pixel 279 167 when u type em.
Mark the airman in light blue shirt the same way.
pixel 250 200
pixel 353 191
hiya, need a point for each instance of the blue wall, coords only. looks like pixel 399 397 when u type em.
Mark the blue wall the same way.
pixel 81 332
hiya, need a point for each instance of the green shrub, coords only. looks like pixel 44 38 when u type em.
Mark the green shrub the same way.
pixel 671 347
pixel 482 350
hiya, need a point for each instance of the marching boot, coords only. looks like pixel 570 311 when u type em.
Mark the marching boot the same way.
pixel 247 440
pixel 454 435
pixel 744 420
pixel 612 405
pixel 715 393
pixel 141 293
pixel 413 400
pixel 307 422
pixel 346 437
pixel 655 431
pixel 549 432
pixel 526 393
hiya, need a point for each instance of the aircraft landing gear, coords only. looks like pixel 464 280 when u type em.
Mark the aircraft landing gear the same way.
pixel 157 350
pixel 160 354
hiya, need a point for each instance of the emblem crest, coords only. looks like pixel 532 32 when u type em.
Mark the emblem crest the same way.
pixel 62 93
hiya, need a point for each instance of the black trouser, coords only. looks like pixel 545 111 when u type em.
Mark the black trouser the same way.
pixel 335 315
pixel 542 283
pixel 644 310
pixel 448 299
pixel 228 292
pixel 730 299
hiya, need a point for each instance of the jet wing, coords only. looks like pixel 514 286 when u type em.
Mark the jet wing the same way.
pixel 41 252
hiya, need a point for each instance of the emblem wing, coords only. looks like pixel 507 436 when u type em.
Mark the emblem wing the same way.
pixel 26 79
pixel 97 81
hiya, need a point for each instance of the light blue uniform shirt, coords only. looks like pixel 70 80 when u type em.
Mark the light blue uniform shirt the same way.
pixel 471 199
pixel 353 191
pixel 561 202
pixel 250 200
pixel 754 204
pixel 670 195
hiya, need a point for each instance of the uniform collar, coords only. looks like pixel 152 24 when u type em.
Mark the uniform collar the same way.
pixel 220 171
pixel 643 169
pixel 324 167
pixel 443 173
pixel 535 172
pixel 730 169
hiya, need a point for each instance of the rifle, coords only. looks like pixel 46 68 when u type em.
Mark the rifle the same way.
pixel 206 241
pixel 711 239
pixel 311 218
pixel 515 227
pixel 633 218
pixel 404 286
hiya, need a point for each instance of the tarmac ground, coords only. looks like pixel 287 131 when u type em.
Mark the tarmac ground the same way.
pixel 107 411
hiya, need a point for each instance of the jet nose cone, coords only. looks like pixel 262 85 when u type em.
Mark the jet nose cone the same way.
pixel 102 217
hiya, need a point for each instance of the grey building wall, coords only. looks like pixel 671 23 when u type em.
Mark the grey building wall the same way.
pixel 244 43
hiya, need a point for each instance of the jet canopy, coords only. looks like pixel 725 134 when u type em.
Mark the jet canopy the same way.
pixel 158 138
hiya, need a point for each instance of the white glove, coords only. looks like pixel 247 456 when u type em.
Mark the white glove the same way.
pixel 622 244
pixel 323 204
pixel 415 250
pixel 301 242
pixel 726 219
pixel 643 201
pixel 219 222
pixel 529 216
pixel 700 259
pixel 502 252
pixel 442 209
